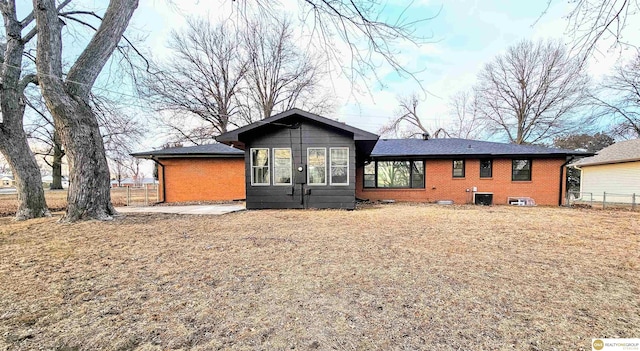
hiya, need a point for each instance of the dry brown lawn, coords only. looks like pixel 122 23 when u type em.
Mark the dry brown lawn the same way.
pixel 390 277
pixel 57 199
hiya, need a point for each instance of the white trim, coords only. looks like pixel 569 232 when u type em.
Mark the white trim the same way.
pixel 309 166
pixel 268 166
pixel 331 165
pixel 290 166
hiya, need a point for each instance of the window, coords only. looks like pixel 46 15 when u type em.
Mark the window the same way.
pixel 317 166
pixel 260 166
pixel 458 168
pixel 339 160
pixel 282 166
pixel 521 170
pixel 486 168
pixel 394 174
pixel 417 174
pixel 370 175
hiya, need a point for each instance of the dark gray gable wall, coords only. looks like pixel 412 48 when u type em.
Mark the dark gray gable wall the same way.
pixel 301 135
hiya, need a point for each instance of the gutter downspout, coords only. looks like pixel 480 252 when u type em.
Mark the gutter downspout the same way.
pixel 562 178
pixel 163 179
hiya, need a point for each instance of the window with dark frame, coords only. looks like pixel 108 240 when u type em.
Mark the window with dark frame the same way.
pixel 486 168
pixel 458 168
pixel 521 170
pixel 394 174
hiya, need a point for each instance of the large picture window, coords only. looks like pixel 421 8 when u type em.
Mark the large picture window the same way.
pixel 317 166
pixel 486 168
pixel 282 166
pixel 521 170
pixel 339 160
pixel 260 166
pixel 458 168
pixel 394 174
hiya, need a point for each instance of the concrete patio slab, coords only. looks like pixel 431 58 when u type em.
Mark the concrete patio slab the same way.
pixel 190 209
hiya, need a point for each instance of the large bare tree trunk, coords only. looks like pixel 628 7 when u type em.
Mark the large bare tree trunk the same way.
pixel 68 101
pixel 14 147
pixel 13 141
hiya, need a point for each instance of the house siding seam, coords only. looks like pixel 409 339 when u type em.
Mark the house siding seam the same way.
pixel 441 185
pixel 202 179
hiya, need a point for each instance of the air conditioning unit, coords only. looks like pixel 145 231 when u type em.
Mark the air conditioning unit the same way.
pixel 485 199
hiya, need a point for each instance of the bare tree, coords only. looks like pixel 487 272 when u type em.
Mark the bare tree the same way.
pixel 619 97
pixel 68 100
pixel 530 93
pixel 13 140
pixel 201 78
pixel 407 122
pixel 281 75
pixel 365 26
pixel 466 121
pixel 226 76
pixel 591 22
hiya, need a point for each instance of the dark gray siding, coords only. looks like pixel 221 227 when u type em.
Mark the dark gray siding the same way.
pixel 300 195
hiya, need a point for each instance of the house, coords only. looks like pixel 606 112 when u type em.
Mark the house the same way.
pixel 6 180
pixel 212 172
pixel 297 159
pixel 614 170
pixel 132 182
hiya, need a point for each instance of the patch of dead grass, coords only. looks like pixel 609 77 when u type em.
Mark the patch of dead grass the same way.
pixel 384 277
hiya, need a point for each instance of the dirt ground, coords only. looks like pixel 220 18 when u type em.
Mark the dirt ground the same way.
pixel 387 277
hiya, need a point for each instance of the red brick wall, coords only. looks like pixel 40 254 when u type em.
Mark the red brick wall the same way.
pixel 440 184
pixel 202 179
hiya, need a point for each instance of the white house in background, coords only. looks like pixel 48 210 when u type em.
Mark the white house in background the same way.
pixel 6 180
pixel 614 170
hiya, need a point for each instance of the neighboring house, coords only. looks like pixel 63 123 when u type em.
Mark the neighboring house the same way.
pixel 212 172
pixel 6 181
pixel 297 159
pixel 131 182
pixel 614 170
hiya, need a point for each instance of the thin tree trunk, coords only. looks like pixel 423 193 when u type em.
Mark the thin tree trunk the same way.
pixel 56 165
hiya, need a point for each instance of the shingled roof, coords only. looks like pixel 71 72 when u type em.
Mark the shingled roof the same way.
pixel 208 150
pixel 447 148
pixel 623 151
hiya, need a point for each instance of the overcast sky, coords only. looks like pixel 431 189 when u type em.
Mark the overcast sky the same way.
pixel 466 34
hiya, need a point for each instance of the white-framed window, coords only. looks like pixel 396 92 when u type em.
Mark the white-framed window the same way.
pixel 339 161
pixel 282 171
pixel 260 166
pixel 316 166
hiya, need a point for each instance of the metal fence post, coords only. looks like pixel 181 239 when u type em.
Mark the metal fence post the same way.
pixel 128 196
pixel 146 194
pixel 633 202
pixel 604 199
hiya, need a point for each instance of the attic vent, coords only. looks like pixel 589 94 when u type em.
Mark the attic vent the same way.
pixel 426 136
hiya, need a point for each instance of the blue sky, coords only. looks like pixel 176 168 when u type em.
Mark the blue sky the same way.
pixel 465 35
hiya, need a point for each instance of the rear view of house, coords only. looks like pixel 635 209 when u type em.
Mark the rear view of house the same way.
pixel 297 159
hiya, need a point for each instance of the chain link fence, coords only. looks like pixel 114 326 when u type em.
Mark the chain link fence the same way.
pixel 603 200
